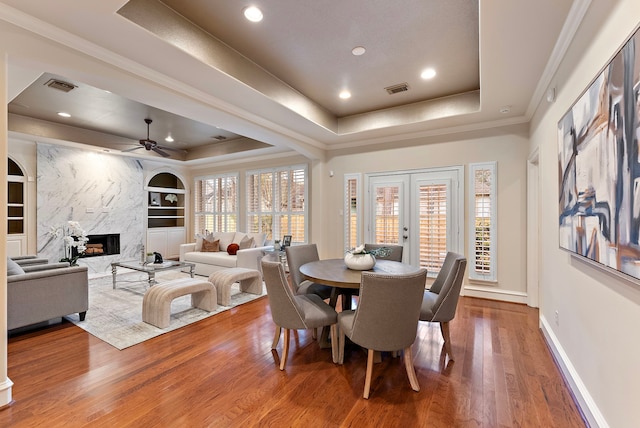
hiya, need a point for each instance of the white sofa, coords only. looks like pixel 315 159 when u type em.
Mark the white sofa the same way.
pixel 209 262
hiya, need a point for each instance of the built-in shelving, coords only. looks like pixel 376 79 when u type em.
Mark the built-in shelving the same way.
pixel 165 214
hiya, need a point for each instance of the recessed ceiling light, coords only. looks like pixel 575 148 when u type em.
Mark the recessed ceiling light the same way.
pixel 428 73
pixel 253 14
pixel 345 95
pixel 169 139
pixel 505 109
pixel 63 114
pixel 358 50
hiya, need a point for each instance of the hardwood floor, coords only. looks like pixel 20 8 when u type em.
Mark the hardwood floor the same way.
pixel 221 372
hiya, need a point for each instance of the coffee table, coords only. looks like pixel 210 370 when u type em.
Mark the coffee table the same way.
pixel 150 268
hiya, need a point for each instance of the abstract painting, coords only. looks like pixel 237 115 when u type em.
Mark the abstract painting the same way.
pixel 599 166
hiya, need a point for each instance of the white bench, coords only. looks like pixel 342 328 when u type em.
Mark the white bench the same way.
pixel 156 304
pixel 250 282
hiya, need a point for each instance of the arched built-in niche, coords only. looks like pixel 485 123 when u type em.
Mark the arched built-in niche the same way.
pixel 165 214
pixel 16 209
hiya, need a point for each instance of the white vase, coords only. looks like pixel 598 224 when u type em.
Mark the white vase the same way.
pixel 151 258
pixel 359 261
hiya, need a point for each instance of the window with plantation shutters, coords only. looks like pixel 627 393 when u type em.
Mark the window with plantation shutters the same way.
pixel 276 202
pixel 483 225
pixel 216 203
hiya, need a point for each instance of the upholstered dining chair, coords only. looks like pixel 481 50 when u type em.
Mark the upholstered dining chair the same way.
pixel 439 303
pixel 289 311
pixel 395 255
pixel 298 255
pixel 386 319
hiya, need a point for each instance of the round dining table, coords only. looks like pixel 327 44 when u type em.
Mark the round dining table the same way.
pixel 334 273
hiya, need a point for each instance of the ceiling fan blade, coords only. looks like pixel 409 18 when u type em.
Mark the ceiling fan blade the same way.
pixel 172 149
pixel 160 152
pixel 132 149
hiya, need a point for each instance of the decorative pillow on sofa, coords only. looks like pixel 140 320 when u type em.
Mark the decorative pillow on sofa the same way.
pixel 245 243
pixel 232 249
pixel 210 246
pixel 201 236
pixel 13 268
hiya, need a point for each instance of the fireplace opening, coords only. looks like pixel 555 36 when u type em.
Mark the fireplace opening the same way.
pixel 101 245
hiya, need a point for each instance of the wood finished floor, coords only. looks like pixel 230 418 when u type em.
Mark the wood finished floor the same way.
pixel 221 372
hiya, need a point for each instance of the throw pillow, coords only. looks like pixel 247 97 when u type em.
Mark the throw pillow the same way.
pixel 13 268
pixel 210 246
pixel 232 249
pixel 246 243
pixel 201 237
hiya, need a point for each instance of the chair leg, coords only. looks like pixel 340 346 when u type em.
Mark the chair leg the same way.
pixel 411 372
pixel 314 333
pixel 367 379
pixel 285 349
pixel 276 338
pixel 334 342
pixel 444 328
pixel 341 340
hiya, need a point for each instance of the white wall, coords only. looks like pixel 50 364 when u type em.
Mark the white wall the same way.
pixel 596 339
pixel 508 146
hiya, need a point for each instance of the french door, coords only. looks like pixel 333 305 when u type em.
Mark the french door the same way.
pixel 421 210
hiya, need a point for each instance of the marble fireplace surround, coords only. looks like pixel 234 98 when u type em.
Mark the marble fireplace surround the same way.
pixel 103 192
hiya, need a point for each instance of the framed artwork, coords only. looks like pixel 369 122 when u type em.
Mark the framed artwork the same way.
pixel 286 241
pixel 599 166
pixel 154 199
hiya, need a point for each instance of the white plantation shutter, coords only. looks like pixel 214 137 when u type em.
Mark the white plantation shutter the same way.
pixel 216 203
pixel 276 202
pixel 483 223
pixel 352 201
pixel 387 212
pixel 432 203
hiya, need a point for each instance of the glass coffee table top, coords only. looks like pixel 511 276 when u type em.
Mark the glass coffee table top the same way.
pixel 150 268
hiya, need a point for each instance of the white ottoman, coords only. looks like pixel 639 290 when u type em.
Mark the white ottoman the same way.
pixel 156 304
pixel 250 282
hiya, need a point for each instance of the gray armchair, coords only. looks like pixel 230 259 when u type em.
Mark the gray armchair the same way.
pixel 289 311
pixel 40 294
pixel 386 319
pixel 29 260
pixel 439 303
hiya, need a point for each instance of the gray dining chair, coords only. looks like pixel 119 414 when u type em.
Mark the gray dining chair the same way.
pixel 298 255
pixel 439 303
pixel 386 319
pixel 297 312
pixel 395 255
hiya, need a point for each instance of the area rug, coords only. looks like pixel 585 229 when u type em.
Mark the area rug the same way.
pixel 115 316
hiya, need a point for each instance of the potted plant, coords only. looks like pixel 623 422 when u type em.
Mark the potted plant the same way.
pixel 360 259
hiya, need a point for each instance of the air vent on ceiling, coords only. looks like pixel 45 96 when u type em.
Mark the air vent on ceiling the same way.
pixel 395 89
pixel 219 137
pixel 61 85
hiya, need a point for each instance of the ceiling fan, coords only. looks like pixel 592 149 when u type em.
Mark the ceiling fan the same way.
pixel 150 145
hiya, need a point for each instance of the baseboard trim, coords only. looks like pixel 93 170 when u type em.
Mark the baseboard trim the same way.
pixel 5 393
pixel 585 402
pixel 495 294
